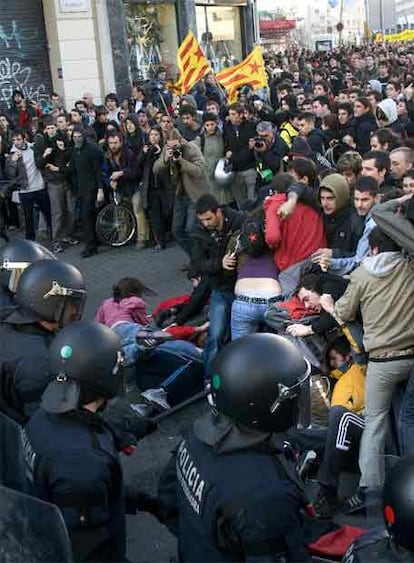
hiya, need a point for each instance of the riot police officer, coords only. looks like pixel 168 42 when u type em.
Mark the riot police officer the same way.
pixel 16 257
pixel 49 295
pixel 395 543
pixel 238 495
pixel 70 453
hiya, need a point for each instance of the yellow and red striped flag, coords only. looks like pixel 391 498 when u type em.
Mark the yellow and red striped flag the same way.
pixel 191 63
pixel 250 71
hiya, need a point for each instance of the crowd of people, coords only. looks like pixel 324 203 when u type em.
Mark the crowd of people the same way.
pixel 294 208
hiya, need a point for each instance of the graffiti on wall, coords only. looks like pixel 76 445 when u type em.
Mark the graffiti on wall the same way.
pixel 16 42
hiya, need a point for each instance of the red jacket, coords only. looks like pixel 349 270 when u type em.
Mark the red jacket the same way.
pixel 295 238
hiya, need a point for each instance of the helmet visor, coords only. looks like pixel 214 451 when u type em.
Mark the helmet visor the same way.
pixel 72 303
pixel 71 309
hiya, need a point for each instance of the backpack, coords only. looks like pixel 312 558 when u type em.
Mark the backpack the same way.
pixel 251 239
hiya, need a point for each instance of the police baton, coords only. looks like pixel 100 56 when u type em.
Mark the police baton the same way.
pixel 180 406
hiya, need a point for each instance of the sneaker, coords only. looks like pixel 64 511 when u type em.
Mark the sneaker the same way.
pixel 356 503
pixel 157 396
pixel 305 463
pixel 57 248
pixel 70 241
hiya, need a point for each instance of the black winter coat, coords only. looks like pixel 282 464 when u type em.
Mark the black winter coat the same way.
pixel 86 168
pixel 209 248
pixel 237 141
pixel 360 130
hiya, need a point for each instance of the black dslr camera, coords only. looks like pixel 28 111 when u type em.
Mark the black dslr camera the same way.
pixel 177 152
pixel 259 143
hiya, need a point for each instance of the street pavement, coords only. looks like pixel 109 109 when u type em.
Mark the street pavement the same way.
pixel 148 541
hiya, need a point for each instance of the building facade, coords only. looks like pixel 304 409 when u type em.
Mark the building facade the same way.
pixel 225 29
pixel 101 46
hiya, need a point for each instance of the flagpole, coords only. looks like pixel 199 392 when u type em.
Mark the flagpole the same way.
pixel 220 87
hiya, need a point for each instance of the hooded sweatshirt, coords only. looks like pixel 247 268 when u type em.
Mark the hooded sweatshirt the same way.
pixel 382 288
pixel 389 107
pixel 343 229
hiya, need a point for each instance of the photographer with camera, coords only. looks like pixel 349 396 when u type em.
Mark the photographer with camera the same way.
pixel 185 164
pixel 152 195
pixel 269 151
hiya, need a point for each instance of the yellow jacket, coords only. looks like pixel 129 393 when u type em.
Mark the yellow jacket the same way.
pixel 349 392
pixel 288 133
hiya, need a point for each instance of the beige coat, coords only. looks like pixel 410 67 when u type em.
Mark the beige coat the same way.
pixel 187 176
pixel 382 287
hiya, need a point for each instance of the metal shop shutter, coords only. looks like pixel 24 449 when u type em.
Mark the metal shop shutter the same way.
pixel 24 54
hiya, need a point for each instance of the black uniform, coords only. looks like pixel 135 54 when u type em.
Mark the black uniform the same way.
pixel 24 372
pixel 235 498
pixel 72 462
pixel 376 546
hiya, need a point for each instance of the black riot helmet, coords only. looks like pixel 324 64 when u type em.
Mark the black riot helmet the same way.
pixel 256 381
pixel 16 257
pixel 398 502
pixel 83 356
pixel 53 291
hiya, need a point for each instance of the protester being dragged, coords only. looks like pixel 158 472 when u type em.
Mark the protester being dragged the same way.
pixel 292 239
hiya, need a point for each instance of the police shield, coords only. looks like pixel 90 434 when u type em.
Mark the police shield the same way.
pixel 12 473
pixel 31 531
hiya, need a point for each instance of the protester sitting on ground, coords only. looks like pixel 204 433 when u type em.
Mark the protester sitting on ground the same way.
pixel 302 314
pixel 126 314
pixel 345 425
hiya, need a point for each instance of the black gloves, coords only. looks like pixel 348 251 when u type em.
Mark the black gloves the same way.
pixel 126 425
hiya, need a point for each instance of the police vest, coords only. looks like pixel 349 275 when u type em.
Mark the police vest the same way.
pixel 233 505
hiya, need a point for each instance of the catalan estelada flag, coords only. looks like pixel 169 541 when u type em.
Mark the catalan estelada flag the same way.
pixel 191 63
pixel 250 71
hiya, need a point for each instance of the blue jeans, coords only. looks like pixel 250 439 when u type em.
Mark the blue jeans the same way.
pixel 246 318
pixel 183 222
pixel 406 426
pixel 126 333
pixel 219 315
